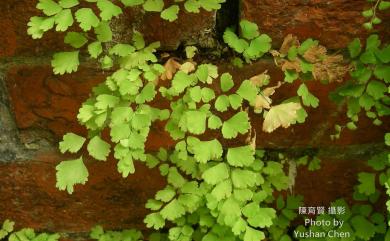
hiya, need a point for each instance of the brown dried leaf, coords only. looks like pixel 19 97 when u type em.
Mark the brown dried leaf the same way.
pixel 275 53
pixel 271 90
pixel 315 54
pixel 260 79
pixel 291 65
pixel 280 116
pixel 262 102
pixel 331 69
pixel 164 55
pixel 171 66
pixel 288 42
pixel 252 142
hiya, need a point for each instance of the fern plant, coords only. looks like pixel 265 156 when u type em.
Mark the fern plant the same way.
pixel 214 191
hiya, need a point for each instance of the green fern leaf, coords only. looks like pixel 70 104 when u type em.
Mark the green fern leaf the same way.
pixel 108 10
pixel 87 19
pixel 65 62
pixel 71 142
pixel 170 13
pixel 70 173
pixel 98 148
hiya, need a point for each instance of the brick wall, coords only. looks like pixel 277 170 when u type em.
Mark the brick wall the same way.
pixel 37 108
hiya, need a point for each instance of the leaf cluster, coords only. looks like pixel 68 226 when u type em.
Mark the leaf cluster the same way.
pixel 368 89
pixel 250 43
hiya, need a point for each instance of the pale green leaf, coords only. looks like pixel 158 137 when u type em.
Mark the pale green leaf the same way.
pixel 239 123
pixel 120 132
pixel 70 173
pixel 64 20
pixel 71 142
pixel 252 234
pixel 98 148
pixel 34 27
pixel 367 183
pixel 376 89
pixel 170 13
pixel 154 5
pixel 131 3
pixel 65 62
pixel 122 50
pixel 307 98
pixel 166 194
pixel 103 32
pixel 235 101
pixel 147 93
pixel 216 174
pixel 226 82
pixel 249 30
pixel 354 48
pixel 222 190
pixel 222 103
pixel 192 6
pixel 105 101
pixel 231 39
pixel 68 3
pixel 154 220
pixel 108 10
pixel 126 165
pixel 172 210
pixel 240 156
pixel 214 122
pixel 194 122
pixel 248 91
pixel 190 51
pixel 75 39
pixel 138 40
pixel 364 229
pixel 49 7
pixel 205 151
pixel 243 178
pixel 86 18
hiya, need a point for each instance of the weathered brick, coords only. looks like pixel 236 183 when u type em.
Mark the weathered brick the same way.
pixel 189 28
pixel 16 14
pixel 42 100
pixel 35 104
pixel 320 122
pixel 29 197
pixel 49 102
pixel 334 22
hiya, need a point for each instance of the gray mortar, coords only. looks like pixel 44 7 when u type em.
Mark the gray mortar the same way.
pixel 10 146
pixel 16 144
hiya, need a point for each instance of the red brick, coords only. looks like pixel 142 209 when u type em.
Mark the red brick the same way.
pixel 336 179
pixel 334 22
pixel 16 14
pixel 29 197
pixel 42 100
pixel 36 105
pixel 319 124
pixel 190 28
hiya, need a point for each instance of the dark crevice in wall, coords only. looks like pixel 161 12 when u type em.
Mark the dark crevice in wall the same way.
pixel 227 16
pixel 17 144
pixel 9 143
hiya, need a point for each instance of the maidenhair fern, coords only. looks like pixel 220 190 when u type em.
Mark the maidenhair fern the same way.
pixel 214 192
